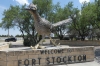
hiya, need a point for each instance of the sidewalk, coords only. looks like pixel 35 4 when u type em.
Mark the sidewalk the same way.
pixel 93 63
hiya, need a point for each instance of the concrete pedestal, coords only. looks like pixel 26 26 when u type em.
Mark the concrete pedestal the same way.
pixel 25 56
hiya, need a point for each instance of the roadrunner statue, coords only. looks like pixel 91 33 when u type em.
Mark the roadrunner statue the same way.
pixel 43 26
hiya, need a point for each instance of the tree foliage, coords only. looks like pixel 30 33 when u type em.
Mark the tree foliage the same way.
pixel 86 23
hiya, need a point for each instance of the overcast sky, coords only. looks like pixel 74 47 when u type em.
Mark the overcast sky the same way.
pixel 5 4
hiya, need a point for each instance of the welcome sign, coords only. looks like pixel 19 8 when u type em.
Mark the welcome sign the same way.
pixel 59 56
pixel 54 56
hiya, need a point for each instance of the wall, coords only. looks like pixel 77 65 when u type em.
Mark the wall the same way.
pixel 42 57
pixel 78 43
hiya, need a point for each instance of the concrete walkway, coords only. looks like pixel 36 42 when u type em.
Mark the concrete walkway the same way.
pixel 93 63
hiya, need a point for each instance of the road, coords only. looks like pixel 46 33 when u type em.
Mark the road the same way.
pixel 18 43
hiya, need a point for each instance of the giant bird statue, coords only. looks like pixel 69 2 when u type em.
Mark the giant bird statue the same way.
pixel 43 26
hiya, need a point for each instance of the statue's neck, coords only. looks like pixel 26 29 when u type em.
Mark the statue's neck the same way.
pixel 36 16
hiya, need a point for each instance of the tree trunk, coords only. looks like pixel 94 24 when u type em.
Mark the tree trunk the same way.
pixel 82 38
pixel 8 32
pixel 61 37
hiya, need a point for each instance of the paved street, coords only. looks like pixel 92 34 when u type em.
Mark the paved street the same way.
pixel 18 43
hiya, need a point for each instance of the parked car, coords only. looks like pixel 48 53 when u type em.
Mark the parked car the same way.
pixel 10 39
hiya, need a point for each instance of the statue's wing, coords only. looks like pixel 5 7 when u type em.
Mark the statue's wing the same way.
pixel 46 23
pixel 63 22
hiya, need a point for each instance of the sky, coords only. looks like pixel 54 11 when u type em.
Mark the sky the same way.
pixel 5 4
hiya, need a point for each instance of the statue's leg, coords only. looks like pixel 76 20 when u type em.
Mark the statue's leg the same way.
pixel 53 42
pixel 43 37
pixel 37 46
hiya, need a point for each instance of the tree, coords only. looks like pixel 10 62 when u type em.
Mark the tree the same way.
pixel 16 16
pixel 8 17
pixel 61 14
pixel 26 25
pixel 86 21
pixel 44 7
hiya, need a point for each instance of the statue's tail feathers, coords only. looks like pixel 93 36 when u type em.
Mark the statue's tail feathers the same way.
pixel 60 23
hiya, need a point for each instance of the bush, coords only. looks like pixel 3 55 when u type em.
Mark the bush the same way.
pixel 31 41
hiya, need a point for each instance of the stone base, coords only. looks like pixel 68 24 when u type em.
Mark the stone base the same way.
pixel 49 56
